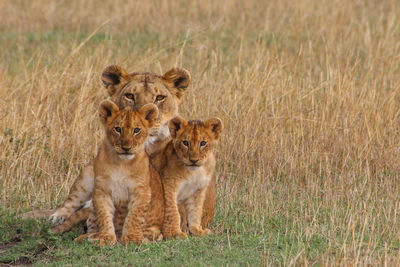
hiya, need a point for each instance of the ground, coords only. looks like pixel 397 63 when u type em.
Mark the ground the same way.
pixel 27 242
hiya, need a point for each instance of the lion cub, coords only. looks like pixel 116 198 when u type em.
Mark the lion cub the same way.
pixel 186 167
pixel 122 174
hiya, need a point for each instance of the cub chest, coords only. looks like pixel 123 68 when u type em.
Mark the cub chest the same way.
pixel 120 183
pixel 196 180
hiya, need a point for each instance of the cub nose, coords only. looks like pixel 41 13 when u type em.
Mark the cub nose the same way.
pixel 125 148
pixel 194 161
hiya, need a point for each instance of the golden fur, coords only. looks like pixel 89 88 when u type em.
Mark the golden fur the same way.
pixel 122 192
pixel 186 167
pixel 131 90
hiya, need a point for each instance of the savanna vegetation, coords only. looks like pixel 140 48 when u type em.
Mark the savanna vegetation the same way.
pixel 308 164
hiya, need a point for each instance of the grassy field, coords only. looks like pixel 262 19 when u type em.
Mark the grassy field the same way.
pixel 308 166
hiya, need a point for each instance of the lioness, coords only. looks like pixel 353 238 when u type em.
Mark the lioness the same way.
pixel 130 90
pixel 186 166
pixel 122 193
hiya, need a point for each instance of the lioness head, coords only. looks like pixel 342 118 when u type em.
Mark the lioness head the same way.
pixel 140 88
pixel 193 140
pixel 127 129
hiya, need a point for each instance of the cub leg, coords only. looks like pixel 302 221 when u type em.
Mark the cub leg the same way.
pixel 208 208
pixel 91 228
pixel 155 215
pixel 182 213
pixel 171 227
pixel 209 204
pixel 139 202
pixel 104 210
pixel 80 193
pixel 194 209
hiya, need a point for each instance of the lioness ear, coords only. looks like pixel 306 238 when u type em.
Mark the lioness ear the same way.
pixel 177 80
pixel 150 113
pixel 215 125
pixel 175 125
pixel 113 78
pixel 107 109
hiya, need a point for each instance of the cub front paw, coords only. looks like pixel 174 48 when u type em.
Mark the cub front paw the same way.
pixel 59 216
pixel 133 238
pixel 103 240
pixel 153 234
pixel 173 233
pixel 199 231
pixel 59 229
pixel 83 237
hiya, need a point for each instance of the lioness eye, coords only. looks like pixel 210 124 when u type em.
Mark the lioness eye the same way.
pixel 203 143
pixel 160 98
pixel 185 143
pixel 136 130
pixel 130 96
pixel 118 129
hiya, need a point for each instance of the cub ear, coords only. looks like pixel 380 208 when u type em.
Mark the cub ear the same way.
pixel 177 80
pixel 150 113
pixel 175 125
pixel 113 78
pixel 215 125
pixel 107 110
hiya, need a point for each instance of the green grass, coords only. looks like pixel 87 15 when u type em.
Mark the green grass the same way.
pixel 23 242
pixel 278 238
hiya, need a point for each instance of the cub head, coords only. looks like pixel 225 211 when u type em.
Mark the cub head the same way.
pixel 127 129
pixel 140 88
pixel 194 140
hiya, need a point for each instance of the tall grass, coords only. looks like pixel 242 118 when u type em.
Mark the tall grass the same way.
pixel 308 92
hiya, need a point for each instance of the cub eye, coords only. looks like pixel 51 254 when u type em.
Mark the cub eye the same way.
pixel 185 143
pixel 118 129
pixel 203 143
pixel 159 98
pixel 136 130
pixel 130 96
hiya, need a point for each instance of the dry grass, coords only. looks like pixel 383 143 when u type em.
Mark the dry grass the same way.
pixel 308 92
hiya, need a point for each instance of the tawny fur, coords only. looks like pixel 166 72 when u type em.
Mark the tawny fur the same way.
pixel 123 176
pixel 186 166
pixel 133 90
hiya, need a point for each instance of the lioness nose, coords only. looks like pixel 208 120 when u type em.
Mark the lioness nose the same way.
pixel 194 161
pixel 126 149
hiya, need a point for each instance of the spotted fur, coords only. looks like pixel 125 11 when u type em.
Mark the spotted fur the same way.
pixel 122 191
pixel 186 167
